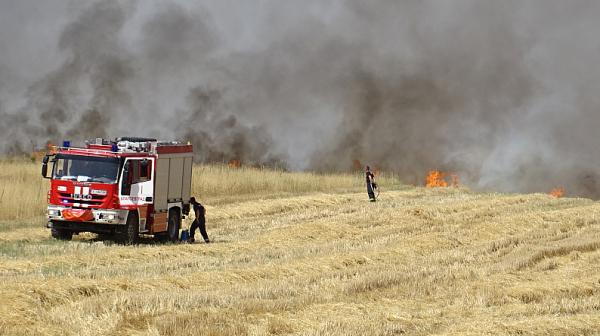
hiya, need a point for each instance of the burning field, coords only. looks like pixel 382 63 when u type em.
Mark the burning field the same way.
pixel 501 93
pixel 486 113
pixel 311 258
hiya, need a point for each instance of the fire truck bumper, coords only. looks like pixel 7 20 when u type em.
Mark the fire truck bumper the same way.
pixel 103 216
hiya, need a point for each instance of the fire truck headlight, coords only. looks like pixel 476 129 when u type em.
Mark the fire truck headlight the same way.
pixel 111 217
pixel 55 213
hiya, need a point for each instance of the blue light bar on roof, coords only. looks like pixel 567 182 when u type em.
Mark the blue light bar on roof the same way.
pixel 66 143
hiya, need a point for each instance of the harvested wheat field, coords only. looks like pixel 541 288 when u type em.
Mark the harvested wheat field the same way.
pixel 309 255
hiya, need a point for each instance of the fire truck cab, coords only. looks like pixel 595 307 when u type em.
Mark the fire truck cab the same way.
pixel 119 188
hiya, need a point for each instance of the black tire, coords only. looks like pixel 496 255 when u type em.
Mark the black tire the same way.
pixel 128 234
pixel 173 226
pixel 61 234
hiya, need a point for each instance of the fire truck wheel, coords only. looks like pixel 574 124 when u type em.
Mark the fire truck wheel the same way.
pixel 61 234
pixel 128 233
pixel 173 227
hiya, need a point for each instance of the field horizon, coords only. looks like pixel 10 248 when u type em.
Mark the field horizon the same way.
pixel 307 254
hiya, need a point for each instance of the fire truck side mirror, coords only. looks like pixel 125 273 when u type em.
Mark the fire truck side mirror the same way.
pixel 44 169
pixel 45 165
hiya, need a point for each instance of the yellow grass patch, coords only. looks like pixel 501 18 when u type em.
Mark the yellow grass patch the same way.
pixel 318 260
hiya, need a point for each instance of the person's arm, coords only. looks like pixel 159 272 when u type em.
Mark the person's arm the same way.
pixel 373 183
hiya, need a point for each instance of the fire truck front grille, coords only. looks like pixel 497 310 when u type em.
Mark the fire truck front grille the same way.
pixel 91 201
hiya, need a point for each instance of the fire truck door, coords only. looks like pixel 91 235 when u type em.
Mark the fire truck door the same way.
pixel 140 188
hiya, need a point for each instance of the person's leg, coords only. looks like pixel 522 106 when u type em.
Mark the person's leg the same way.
pixel 193 228
pixel 203 230
pixel 370 192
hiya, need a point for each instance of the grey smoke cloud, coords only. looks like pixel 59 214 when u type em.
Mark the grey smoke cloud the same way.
pixel 501 93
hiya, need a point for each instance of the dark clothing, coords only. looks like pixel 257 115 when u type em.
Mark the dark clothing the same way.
pixel 370 192
pixel 199 222
pixel 370 178
pixel 201 225
pixel 198 211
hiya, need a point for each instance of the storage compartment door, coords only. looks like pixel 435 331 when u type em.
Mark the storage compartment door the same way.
pixel 162 184
pixel 187 179
pixel 175 179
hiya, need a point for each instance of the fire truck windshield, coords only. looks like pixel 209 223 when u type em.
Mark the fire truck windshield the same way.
pixel 86 168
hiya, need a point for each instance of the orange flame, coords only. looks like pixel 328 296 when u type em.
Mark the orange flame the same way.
pixel 234 163
pixel 377 170
pixel 455 181
pixel 557 192
pixel 436 179
pixel 48 150
pixel 50 147
pixel 354 168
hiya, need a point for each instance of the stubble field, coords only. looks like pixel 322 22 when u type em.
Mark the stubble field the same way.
pixel 305 254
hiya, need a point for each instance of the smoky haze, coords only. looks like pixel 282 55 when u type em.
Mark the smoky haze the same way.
pixel 504 94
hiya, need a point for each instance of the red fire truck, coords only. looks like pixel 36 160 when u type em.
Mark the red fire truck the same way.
pixel 121 188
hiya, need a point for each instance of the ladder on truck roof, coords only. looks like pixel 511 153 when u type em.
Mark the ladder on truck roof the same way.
pixel 133 144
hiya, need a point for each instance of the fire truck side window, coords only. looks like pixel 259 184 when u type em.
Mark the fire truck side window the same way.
pixel 138 172
pixel 145 172
pixel 61 168
pixel 135 171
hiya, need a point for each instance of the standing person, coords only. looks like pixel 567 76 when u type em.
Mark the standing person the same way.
pixel 199 222
pixel 370 184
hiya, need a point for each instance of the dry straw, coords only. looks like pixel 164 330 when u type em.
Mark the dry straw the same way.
pixel 315 261
pixel 23 191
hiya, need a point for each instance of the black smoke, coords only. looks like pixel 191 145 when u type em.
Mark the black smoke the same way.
pixel 80 98
pixel 504 94
pixel 219 137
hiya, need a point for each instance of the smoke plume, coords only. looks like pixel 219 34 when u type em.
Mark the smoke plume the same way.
pixel 501 93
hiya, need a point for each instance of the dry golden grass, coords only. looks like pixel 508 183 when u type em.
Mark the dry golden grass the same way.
pixel 23 191
pixel 421 261
pixel 222 184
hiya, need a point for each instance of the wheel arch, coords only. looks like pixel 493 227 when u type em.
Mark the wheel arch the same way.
pixel 175 207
